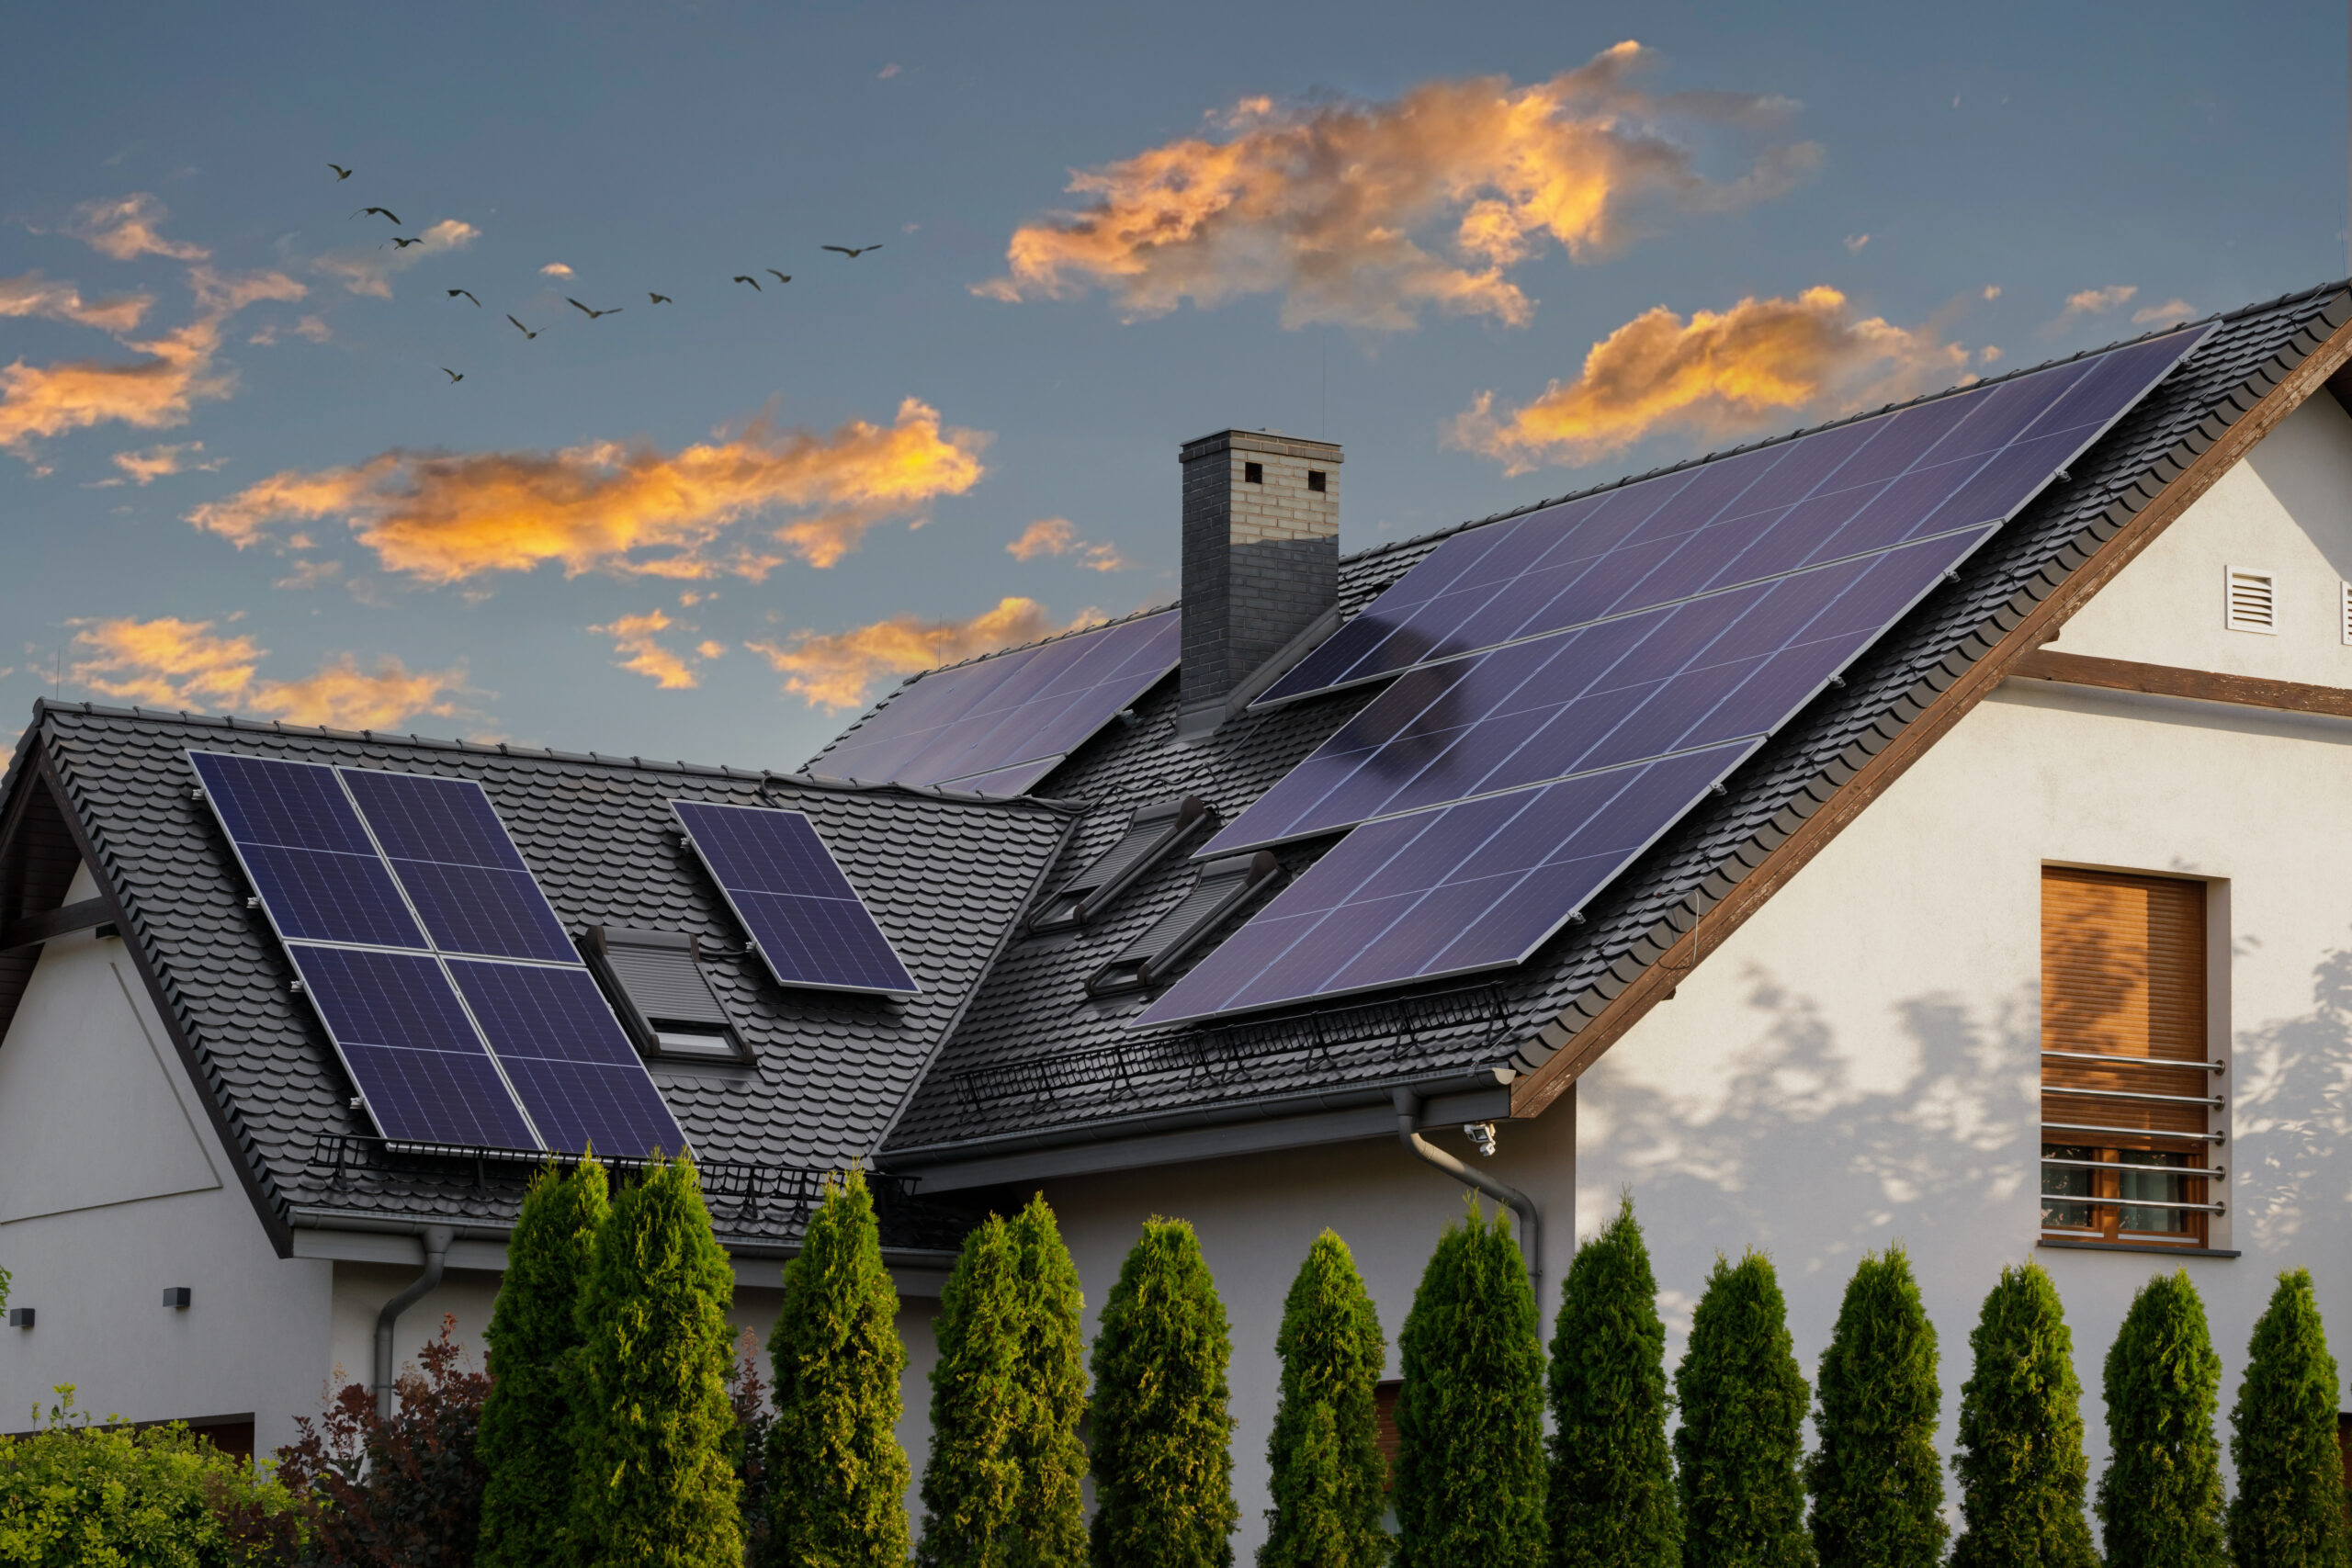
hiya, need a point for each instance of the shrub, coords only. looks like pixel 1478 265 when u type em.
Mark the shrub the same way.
pixel 837 1476
pixel 82 1495
pixel 650 1417
pixel 747 1442
pixel 1163 1460
pixel 1742 1435
pixel 2288 1511
pixel 2160 1499
pixel 1611 1494
pixel 1470 1417
pixel 2021 1462
pixel 535 1336
pixel 1877 1485
pixel 1329 1480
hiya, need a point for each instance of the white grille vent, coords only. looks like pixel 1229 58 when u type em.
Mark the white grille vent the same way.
pixel 2252 602
pixel 2348 614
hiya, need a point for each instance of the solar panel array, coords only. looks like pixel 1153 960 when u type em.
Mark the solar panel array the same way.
pixel 449 987
pixel 790 894
pixel 997 726
pixel 1571 682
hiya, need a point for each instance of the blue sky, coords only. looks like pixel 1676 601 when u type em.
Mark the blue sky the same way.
pixel 1354 220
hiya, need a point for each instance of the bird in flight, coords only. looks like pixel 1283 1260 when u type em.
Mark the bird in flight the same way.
pixel 468 293
pixel 519 327
pixel 659 299
pixel 341 173
pixel 385 211
pixel 846 250
pixel 401 244
pixel 592 315
pixel 752 281
pixel 454 377
pixel 779 276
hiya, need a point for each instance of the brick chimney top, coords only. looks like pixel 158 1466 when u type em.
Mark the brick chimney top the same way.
pixel 1262 562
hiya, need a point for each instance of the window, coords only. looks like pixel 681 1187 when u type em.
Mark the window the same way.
pixel 658 988
pixel 1254 473
pixel 2251 602
pixel 1222 886
pixel 2129 1111
pixel 1152 831
pixel 1315 479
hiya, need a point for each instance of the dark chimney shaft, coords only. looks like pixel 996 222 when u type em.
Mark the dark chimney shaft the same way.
pixel 1261 560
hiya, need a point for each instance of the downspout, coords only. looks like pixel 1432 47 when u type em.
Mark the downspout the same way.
pixel 1531 1227
pixel 436 1257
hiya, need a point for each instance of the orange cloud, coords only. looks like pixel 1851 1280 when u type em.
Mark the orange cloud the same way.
pixel 634 636
pixel 158 462
pixel 172 663
pixel 2173 309
pixel 369 272
pixel 1717 374
pixel 225 293
pixel 1059 537
pixel 124 228
pixel 840 669
pixel 2092 302
pixel 151 393
pixel 1321 203
pixel 609 507
pixel 33 295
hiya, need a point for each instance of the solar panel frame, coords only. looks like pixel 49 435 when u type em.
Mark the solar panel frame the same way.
pixel 465 876
pixel 553 1032
pixel 712 829
pixel 276 870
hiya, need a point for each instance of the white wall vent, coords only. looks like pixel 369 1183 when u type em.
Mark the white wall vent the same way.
pixel 2348 614
pixel 2252 601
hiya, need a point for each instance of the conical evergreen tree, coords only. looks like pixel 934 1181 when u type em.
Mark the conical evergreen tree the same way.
pixel 1610 1498
pixel 2160 1499
pixel 652 1482
pixel 1163 1460
pixel 2288 1511
pixel 1877 1485
pixel 838 1477
pixel 2021 1460
pixel 1046 1443
pixel 1742 1437
pixel 1329 1482
pixel 534 1334
pixel 1470 1417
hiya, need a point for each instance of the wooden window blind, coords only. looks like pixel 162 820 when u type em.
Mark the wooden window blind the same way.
pixel 2127 1135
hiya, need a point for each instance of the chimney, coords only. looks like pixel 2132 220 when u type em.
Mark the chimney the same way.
pixel 1261 564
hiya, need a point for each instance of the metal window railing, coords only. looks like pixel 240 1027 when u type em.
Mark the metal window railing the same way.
pixel 2052 1199
pixel 2213 1173
pixel 2136 1133
pixel 2115 1061
pixel 2210 1102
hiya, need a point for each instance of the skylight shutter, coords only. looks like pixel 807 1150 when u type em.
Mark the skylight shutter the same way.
pixel 1151 832
pixel 1222 887
pixel 2253 603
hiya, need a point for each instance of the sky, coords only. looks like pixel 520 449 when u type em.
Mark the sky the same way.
pixel 1498 252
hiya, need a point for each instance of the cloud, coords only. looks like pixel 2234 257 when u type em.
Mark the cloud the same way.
pixel 554 269
pixel 1321 203
pixel 124 228
pixel 226 293
pixel 634 636
pixel 154 392
pixel 1991 292
pixel 2092 302
pixel 172 663
pixel 840 669
pixel 1854 244
pixel 313 329
pixel 2173 309
pixel 444 517
pixel 33 295
pixel 885 72
pixel 369 272
pixel 1059 537
pixel 1716 373
pixel 158 462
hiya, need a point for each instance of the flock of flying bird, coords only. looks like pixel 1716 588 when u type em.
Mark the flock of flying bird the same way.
pixel 402 243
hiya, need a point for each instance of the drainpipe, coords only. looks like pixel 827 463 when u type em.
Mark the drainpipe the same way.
pixel 436 1255
pixel 1531 1228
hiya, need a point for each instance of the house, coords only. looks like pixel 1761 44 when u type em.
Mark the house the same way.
pixel 1963 867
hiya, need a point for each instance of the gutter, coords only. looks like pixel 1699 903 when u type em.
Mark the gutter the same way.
pixel 1530 1225
pixel 436 1255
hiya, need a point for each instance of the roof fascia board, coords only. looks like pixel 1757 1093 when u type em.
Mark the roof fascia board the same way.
pixel 1679 943
pixel 2173 680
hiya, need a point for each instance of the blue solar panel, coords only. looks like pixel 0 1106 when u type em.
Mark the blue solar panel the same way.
pixel 304 850
pixel 1034 707
pixel 570 1061
pixel 786 889
pixel 1479 885
pixel 459 866
pixel 1958 463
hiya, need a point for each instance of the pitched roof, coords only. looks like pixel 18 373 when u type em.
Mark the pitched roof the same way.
pixel 1037 1062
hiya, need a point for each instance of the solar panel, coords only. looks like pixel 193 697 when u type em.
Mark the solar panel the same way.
pixel 981 726
pixel 786 889
pixel 304 850
pixel 1477 885
pixel 461 870
pixel 1962 461
pixel 571 1064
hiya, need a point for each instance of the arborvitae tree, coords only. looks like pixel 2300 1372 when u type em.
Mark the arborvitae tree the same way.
pixel 2160 1500
pixel 1328 1478
pixel 1742 1437
pixel 2289 1512
pixel 1610 1498
pixel 1163 1460
pixel 2021 1462
pixel 837 1475
pixel 1003 1487
pixel 652 1482
pixel 1877 1485
pixel 1470 1417
pixel 526 1443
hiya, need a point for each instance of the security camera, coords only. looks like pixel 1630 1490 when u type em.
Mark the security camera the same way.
pixel 1482 1134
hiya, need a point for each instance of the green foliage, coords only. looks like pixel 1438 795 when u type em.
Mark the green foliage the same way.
pixel 1164 1462
pixel 2021 1462
pixel 78 1496
pixel 837 1477
pixel 653 1487
pixel 2289 1512
pixel 1470 1417
pixel 534 1335
pixel 1610 1498
pixel 1742 1435
pixel 2160 1500
pixel 1330 1480
pixel 1877 1485
pixel 1002 1486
